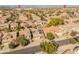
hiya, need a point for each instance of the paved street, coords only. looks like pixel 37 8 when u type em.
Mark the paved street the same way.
pixel 35 49
pixel 26 51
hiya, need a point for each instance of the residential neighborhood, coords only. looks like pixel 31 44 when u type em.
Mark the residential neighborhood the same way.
pixel 39 30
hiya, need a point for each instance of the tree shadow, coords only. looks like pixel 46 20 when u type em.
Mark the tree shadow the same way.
pixel 63 42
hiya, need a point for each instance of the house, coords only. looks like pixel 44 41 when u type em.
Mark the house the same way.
pixel 25 32
pixel 8 37
pixel 38 33
pixel 13 25
pixel 51 29
pixel 3 26
pixel 22 17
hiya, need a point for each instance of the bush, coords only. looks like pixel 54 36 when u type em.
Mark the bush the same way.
pixel 77 39
pixel 17 34
pixel 73 33
pixel 12 45
pixel 72 41
pixel 1 47
pixel 50 36
pixel 49 47
pixel 0 43
pixel 22 41
pixel 9 28
pixel 55 22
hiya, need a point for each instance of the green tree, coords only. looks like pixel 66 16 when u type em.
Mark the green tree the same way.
pixel 77 39
pixel 73 33
pixel 18 28
pixel 17 34
pixel 22 40
pixel 9 28
pixel 49 47
pixel 50 36
pixel 55 22
pixel 12 45
pixel 72 41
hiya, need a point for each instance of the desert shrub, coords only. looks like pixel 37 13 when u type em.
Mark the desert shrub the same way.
pixel 73 33
pixel 77 39
pixel 12 45
pixel 22 41
pixel 72 41
pixel 50 36
pixel 49 47
pixel 55 22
